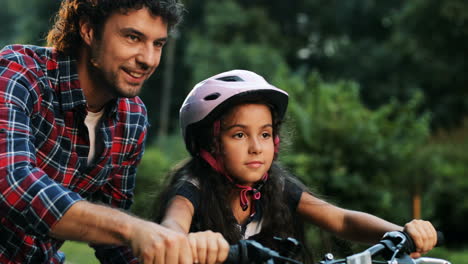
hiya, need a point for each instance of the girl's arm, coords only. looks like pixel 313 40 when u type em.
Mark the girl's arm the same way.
pixel 179 214
pixel 362 227
pixel 207 246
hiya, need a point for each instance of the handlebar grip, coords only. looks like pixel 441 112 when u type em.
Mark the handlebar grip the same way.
pixel 233 255
pixel 238 253
pixel 249 251
pixel 440 239
pixel 409 244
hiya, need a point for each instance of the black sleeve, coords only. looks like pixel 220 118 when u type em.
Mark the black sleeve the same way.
pixel 189 191
pixel 293 194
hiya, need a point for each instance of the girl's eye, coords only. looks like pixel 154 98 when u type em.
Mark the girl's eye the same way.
pixel 266 135
pixel 239 135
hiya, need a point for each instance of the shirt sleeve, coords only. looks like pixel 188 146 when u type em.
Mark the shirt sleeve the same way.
pixel 293 194
pixel 189 191
pixel 29 197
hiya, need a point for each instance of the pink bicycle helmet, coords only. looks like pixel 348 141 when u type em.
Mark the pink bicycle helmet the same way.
pixel 214 95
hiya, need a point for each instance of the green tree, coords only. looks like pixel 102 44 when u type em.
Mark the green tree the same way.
pixel 392 49
pixel 223 42
pixel 431 37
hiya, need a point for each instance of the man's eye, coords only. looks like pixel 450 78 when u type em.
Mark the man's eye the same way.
pixel 133 38
pixel 159 44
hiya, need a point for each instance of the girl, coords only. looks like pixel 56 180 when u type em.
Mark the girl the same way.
pixel 232 189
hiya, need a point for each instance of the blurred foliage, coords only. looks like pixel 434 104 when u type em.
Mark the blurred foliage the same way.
pixel 346 150
pixel 31 28
pixel 392 49
pixel 225 42
pixel 372 84
pixel 451 185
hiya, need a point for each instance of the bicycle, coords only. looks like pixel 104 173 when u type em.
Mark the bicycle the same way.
pixel 393 248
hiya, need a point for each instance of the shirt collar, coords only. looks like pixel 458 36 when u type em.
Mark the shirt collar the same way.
pixel 69 88
pixel 112 107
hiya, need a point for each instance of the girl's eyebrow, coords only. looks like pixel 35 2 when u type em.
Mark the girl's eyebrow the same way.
pixel 244 126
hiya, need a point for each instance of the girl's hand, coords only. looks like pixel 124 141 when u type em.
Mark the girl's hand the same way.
pixel 423 234
pixel 208 247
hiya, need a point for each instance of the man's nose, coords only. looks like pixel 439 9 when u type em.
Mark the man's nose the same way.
pixel 149 56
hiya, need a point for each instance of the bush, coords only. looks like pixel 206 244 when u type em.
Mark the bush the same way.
pixel 365 158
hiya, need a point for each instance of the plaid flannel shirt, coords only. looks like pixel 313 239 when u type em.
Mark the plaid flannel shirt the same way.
pixel 43 154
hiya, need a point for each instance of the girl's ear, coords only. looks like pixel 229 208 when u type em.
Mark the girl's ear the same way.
pixel 86 32
pixel 214 147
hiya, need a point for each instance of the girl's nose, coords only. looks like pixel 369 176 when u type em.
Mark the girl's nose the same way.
pixel 255 146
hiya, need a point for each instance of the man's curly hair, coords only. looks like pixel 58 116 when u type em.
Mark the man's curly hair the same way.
pixel 65 34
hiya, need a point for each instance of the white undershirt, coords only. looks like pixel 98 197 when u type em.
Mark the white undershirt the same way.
pixel 92 121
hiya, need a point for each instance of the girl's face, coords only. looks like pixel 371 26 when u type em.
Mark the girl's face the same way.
pixel 247 142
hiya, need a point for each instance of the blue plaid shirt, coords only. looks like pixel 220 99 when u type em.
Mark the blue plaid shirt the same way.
pixel 44 147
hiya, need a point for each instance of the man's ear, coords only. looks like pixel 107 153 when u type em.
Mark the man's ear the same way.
pixel 86 32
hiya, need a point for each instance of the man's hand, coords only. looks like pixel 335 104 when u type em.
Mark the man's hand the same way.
pixel 423 234
pixel 153 243
pixel 208 247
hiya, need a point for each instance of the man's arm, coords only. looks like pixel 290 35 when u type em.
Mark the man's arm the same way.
pixel 150 242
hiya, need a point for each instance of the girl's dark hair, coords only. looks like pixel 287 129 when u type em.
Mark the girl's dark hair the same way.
pixel 65 34
pixel 215 213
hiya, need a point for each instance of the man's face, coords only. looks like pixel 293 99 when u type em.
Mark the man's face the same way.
pixel 127 51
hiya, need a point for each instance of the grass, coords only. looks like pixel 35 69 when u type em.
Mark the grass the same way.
pixel 459 256
pixel 78 253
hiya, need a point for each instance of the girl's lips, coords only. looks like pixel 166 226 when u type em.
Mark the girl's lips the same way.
pixel 254 164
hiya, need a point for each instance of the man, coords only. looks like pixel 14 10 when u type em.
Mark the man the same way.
pixel 72 131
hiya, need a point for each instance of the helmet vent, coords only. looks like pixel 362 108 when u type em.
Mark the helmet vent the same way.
pixel 231 79
pixel 212 97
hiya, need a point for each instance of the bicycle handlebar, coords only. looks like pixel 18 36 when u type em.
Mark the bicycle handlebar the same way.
pixel 394 246
pixel 249 251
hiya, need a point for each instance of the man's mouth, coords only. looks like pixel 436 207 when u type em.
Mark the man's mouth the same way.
pixel 135 74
